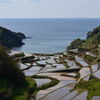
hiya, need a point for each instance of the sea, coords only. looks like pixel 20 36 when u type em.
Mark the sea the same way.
pixel 49 35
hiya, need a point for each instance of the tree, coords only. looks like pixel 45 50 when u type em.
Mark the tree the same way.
pixel 75 44
pixel 10 69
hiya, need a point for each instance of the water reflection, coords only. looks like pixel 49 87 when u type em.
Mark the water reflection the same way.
pixel 32 71
pixel 69 96
pixel 83 96
pixel 40 82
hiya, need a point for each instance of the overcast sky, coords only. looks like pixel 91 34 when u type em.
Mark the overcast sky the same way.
pixel 49 8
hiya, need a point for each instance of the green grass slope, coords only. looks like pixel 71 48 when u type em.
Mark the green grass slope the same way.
pixel 14 85
pixel 91 42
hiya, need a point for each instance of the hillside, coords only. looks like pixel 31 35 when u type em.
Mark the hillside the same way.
pixel 14 85
pixel 90 43
pixel 80 72
pixel 11 39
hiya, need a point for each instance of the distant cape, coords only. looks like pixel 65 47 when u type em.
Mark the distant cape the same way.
pixel 11 39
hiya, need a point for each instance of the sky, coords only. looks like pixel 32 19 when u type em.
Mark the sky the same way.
pixel 49 8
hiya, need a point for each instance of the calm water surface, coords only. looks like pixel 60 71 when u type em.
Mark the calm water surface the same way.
pixel 50 35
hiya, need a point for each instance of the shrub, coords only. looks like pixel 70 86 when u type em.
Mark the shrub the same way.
pixel 92 86
pixel 95 31
pixel 10 69
pixel 75 44
pixel 18 55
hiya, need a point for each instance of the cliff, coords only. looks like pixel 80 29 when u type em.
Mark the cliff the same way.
pixel 11 39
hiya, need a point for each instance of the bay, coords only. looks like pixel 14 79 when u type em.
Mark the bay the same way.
pixel 50 35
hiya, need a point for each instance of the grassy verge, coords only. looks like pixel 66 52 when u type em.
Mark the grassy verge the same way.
pixel 89 58
pixel 67 56
pixel 23 93
pixel 10 91
pixel 28 59
pixel 92 86
pixel 79 64
pixel 18 55
pixel 66 64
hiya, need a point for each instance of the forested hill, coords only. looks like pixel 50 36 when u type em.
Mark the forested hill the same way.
pixel 11 39
pixel 91 42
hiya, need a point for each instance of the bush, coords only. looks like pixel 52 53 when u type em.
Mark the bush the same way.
pixel 18 55
pixel 95 31
pixel 75 44
pixel 10 69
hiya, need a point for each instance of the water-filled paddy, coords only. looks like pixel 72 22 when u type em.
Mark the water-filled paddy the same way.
pixel 58 93
pixel 23 66
pixel 97 74
pixel 83 96
pixel 94 67
pixel 32 71
pixel 40 82
pixel 69 96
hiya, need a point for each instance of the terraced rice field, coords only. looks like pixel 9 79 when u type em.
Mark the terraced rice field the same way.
pixel 64 70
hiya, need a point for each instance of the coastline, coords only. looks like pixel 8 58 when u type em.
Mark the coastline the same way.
pixel 17 52
pixel 42 54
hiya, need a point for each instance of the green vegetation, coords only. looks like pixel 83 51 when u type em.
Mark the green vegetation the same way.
pixel 95 51
pixel 67 56
pixel 75 44
pixel 88 58
pixel 10 91
pixel 91 43
pixel 52 54
pixel 92 40
pixel 61 59
pixel 10 39
pixel 10 69
pixel 95 31
pixel 45 86
pixel 18 55
pixel 13 83
pixel 28 59
pixel 66 64
pixel 23 93
pixel 79 64
pixel 92 86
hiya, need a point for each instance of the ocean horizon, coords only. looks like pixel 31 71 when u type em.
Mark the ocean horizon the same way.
pixel 50 35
